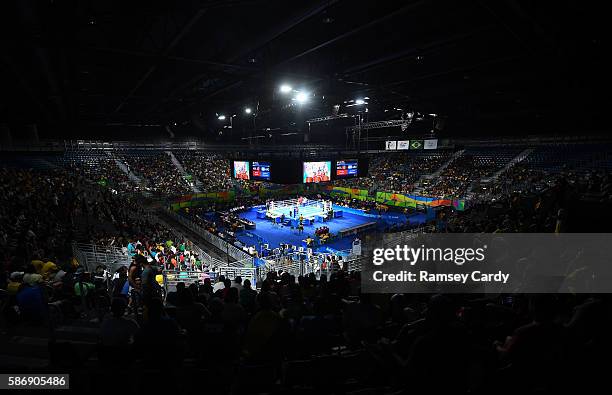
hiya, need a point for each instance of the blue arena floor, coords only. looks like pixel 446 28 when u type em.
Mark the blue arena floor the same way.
pixel 274 234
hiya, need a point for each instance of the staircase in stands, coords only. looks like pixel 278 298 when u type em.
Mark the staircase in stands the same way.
pixel 418 189
pixel 517 159
pixel 121 165
pixel 192 180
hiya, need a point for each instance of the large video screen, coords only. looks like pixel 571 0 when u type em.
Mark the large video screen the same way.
pixel 261 170
pixel 241 170
pixel 317 171
pixel 346 168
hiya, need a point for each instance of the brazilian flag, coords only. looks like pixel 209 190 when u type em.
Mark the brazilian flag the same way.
pixel 416 144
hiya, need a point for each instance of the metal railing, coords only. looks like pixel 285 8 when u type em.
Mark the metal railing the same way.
pixel 303 268
pixel 90 256
pixel 173 277
pixel 230 249
pixel 206 258
pixel 232 272
pixel 178 235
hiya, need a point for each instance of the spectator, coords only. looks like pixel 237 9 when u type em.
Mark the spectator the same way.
pixel 237 284
pixel 118 330
pixel 248 297
pixel 234 315
pixel 219 285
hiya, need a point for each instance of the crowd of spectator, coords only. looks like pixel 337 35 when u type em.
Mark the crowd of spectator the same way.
pixel 396 172
pixel 455 180
pixel 160 174
pixel 207 172
pixel 518 179
pixel 211 170
pixel 101 169
pixel 325 334
pixel 39 211
pixel 36 210
pixel 527 200
pixel 44 212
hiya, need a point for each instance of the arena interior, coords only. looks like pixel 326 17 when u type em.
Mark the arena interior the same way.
pixel 190 192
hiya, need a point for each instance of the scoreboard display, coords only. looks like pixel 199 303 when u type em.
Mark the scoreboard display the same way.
pixel 292 170
pixel 346 168
pixel 261 170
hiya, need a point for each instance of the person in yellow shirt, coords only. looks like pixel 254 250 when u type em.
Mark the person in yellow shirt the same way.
pixel 38 265
pixel 14 283
pixel 48 270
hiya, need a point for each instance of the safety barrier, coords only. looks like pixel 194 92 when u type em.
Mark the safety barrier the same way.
pixel 392 239
pixel 206 258
pixel 293 268
pixel 233 272
pixel 305 267
pixel 215 240
pixel 355 265
pixel 173 277
pixel 90 256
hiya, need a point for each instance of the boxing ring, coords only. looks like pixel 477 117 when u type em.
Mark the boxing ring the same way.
pixel 292 209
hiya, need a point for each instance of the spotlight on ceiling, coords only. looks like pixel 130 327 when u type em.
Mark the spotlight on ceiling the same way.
pixel 301 97
pixel 247 110
pixel 359 101
pixel 221 117
pixel 285 88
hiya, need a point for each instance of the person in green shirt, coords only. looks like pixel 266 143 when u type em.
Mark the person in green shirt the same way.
pixel 85 286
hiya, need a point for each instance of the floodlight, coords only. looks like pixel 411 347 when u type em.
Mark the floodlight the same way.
pixel 301 97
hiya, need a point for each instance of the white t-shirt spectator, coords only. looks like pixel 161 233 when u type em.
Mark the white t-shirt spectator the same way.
pixel 218 285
